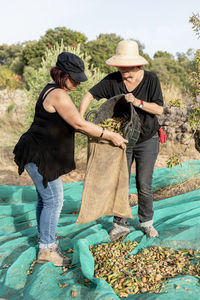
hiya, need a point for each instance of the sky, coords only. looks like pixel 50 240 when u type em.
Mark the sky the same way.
pixel 160 25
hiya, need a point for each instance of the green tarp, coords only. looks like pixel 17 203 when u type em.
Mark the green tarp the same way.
pixel 177 219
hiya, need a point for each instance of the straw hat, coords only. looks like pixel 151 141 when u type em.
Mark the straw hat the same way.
pixel 127 55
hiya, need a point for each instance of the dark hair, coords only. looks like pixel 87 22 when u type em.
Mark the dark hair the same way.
pixel 59 77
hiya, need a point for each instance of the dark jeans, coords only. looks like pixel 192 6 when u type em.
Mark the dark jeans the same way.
pixel 145 155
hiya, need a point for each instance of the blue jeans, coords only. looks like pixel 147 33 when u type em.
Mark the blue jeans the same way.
pixel 145 155
pixel 49 205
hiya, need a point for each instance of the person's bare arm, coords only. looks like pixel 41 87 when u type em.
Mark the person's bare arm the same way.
pixel 85 102
pixel 65 107
pixel 150 107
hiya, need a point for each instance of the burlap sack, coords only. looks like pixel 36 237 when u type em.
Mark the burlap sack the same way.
pixel 105 191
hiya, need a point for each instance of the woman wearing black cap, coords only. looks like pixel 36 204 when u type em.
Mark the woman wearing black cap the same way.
pixel 46 150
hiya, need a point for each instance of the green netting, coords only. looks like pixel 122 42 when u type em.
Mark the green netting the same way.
pixel 177 220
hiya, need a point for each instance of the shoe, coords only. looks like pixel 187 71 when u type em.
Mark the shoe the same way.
pixel 118 231
pixel 150 231
pixel 54 255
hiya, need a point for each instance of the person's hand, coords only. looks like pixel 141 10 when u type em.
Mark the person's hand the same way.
pixel 162 136
pixel 131 99
pixel 118 140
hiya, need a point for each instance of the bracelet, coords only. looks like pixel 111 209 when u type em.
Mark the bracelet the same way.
pixel 141 104
pixel 102 132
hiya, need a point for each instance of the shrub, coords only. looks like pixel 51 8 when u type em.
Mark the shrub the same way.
pixel 35 80
pixel 9 80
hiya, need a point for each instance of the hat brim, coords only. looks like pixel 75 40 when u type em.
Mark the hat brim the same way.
pixel 126 61
pixel 78 77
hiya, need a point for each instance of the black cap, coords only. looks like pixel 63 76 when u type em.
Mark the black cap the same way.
pixel 72 65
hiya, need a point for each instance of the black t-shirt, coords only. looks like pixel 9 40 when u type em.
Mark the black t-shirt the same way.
pixel 148 90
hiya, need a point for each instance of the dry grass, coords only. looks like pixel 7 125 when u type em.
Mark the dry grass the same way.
pixel 10 131
pixel 172 93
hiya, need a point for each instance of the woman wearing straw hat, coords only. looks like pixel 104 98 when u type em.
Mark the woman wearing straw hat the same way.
pixel 142 89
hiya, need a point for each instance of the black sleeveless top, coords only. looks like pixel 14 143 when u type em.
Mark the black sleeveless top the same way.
pixel 49 143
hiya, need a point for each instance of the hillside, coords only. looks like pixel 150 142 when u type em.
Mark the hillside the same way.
pixel 12 125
